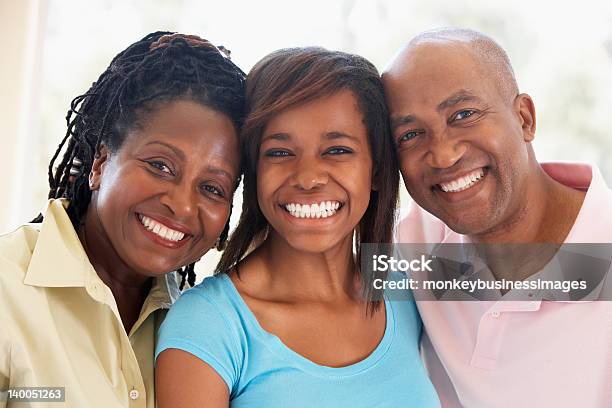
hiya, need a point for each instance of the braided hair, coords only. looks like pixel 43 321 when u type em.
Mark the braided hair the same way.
pixel 161 67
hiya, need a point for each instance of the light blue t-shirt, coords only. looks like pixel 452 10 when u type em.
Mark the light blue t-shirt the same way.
pixel 212 322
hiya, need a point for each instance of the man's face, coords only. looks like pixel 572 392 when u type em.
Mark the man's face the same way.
pixel 461 144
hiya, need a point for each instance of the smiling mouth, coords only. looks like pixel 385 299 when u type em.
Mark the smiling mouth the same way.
pixel 324 209
pixel 163 231
pixel 464 182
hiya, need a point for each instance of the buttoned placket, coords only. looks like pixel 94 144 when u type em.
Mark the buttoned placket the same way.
pixel 492 329
pixel 129 363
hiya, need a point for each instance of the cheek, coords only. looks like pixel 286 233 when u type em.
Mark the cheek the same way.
pixel 214 218
pixel 115 196
pixel 412 173
pixel 122 189
pixel 358 182
pixel 269 179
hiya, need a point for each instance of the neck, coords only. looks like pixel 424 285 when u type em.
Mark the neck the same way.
pixel 546 214
pixel 324 276
pixel 129 288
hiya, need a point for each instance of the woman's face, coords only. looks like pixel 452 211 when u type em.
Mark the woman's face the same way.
pixel 314 174
pixel 164 197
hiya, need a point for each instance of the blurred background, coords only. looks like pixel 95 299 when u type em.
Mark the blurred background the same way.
pixel 52 50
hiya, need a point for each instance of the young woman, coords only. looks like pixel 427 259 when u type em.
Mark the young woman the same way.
pixel 149 166
pixel 287 325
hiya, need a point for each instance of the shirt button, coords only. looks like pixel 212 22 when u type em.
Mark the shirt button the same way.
pixel 495 314
pixel 134 394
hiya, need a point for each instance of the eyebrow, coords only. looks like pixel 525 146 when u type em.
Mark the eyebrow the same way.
pixel 457 98
pixel 175 149
pixel 220 172
pixel 276 136
pixel 402 120
pixel 333 135
pixel 181 155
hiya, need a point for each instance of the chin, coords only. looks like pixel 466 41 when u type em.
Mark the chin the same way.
pixel 155 269
pixel 313 245
pixel 469 228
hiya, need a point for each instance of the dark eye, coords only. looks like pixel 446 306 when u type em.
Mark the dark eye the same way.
pixel 337 150
pixel 408 136
pixel 159 165
pixel 213 190
pixel 277 153
pixel 463 114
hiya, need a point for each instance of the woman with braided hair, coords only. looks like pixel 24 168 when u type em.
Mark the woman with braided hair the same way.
pixel 141 186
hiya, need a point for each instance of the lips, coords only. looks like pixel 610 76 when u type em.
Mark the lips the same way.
pixel 164 232
pixel 460 187
pixel 322 209
pixel 463 182
pixel 160 229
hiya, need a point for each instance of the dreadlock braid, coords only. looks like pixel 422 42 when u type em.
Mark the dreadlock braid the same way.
pixel 161 67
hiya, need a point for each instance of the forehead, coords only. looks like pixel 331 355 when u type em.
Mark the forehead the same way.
pixel 427 74
pixel 336 112
pixel 199 133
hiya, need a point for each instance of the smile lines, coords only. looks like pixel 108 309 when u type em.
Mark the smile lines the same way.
pixel 160 229
pixel 323 209
pixel 463 183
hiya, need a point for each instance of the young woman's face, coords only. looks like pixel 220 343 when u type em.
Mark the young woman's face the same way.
pixel 314 174
pixel 164 197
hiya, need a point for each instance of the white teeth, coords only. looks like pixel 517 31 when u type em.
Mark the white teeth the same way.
pixel 463 183
pixel 160 229
pixel 323 209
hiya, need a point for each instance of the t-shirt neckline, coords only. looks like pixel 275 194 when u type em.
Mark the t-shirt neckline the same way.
pixel 275 344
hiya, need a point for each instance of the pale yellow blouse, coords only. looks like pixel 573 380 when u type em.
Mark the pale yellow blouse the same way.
pixel 60 326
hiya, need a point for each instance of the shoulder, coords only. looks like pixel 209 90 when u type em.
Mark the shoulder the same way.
pixel 16 249
pixel 207 306
pixel 205 322
pixel 204 318
pixel 213 294
pixel 419 226
pixel 401 301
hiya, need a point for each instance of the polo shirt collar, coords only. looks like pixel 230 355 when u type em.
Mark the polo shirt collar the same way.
pixel 587 227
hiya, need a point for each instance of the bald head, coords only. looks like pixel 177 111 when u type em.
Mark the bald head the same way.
pixel 486 55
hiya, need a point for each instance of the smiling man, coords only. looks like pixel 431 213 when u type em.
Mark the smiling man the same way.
pixel 463 134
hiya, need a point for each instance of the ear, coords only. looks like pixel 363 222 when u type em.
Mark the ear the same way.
pixel 525 109
pixel 97 168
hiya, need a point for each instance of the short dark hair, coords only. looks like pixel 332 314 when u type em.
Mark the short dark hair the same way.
pixel 161 67
pixel 293 76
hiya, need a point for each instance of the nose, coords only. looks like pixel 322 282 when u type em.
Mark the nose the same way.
pixel 309 174
pixel 181 200
pixel 444 152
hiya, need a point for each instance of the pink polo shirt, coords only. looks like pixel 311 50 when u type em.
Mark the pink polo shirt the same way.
pixel 522 354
